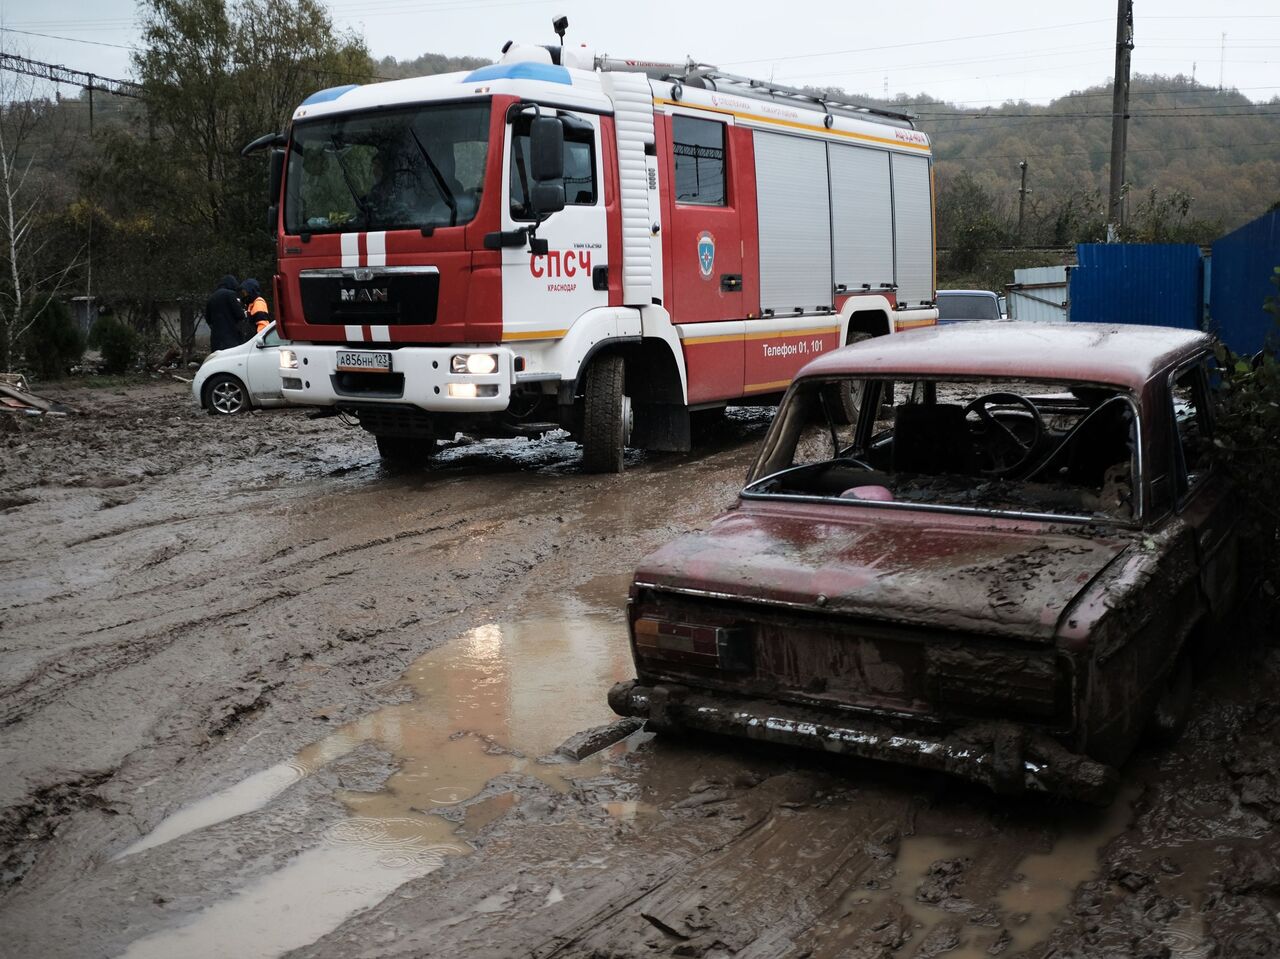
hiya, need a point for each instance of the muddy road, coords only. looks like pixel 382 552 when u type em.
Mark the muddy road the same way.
pixel 260 696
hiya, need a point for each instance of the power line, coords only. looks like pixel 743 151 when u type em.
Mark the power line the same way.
pixel 1198 91
pixel 1101 150
pixel 1263 110
pixel 50 36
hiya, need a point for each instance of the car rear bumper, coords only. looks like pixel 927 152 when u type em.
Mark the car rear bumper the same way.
pixel 1007 758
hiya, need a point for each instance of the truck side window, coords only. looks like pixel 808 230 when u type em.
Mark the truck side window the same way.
pixel 1193 421
pixel 698 146
pixel 579 166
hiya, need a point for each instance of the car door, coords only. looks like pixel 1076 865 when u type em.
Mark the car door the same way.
pixel 1203 499
pixel 262 368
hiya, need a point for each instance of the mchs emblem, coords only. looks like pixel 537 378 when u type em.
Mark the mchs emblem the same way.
pixel 706 254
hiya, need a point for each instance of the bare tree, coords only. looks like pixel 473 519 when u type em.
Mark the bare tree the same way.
pixel 33 153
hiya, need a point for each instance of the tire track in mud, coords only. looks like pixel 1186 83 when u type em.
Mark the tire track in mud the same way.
pixel 108 659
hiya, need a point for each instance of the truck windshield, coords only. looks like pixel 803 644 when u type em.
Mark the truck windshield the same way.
pixel 390 170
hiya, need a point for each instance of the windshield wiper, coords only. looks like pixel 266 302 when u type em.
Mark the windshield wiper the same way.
pixel 349 181
pixel 445 193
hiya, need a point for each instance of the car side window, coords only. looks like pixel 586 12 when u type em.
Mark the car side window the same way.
pixel 698 146
pixel 271 337
pixel 1193 422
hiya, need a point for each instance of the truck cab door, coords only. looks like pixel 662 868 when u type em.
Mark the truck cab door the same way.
pixel 542 294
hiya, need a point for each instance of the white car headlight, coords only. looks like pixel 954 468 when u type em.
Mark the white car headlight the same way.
pixel 288 360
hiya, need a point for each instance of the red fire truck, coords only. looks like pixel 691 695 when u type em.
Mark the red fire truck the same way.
pixel 561 240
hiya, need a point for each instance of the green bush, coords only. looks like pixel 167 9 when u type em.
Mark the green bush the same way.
pixel 116 341
pixel 53 342
pixel 1248 425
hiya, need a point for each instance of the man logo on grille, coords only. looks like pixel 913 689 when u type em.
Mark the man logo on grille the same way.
pixel 706 254
pixel 371 295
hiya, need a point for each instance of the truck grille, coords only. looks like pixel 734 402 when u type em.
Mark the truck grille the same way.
pixel 378 299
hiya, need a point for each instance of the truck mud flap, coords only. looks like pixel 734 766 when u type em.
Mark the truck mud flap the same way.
pixel 1007 758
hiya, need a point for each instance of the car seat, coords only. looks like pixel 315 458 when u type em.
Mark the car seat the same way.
pixel 932 439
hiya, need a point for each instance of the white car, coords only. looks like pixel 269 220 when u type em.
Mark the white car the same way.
pixel 235 380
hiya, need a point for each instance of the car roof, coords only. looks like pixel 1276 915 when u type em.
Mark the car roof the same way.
pixel 1113 354
pixel 966 293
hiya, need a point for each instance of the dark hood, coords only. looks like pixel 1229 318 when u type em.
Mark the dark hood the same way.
pixel 251 288
pixel 953 572
pixel 228 282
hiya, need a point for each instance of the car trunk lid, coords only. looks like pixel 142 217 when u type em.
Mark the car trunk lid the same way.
pixel 946 572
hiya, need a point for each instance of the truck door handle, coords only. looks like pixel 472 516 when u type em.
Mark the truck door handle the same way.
pixel 730 282
pixel 600 278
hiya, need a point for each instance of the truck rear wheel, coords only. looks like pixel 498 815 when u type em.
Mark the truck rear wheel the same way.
pixel 406 450
pixel 606 416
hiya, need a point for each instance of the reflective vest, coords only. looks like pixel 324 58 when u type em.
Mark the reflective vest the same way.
pixel 259 313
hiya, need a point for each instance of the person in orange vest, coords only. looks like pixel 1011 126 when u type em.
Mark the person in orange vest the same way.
pixel 255 305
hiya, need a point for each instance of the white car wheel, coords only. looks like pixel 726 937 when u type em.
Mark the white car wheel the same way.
pixel 227 395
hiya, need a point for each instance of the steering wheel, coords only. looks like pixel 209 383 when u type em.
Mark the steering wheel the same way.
pixel 1008 450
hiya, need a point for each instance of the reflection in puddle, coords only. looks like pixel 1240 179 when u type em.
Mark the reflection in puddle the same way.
pixel 1049 880
pixel 489 703
pixel 1029 908
pixel 295 905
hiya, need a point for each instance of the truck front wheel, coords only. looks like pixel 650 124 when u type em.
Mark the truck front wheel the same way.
pixel 606 416
pixel 406 450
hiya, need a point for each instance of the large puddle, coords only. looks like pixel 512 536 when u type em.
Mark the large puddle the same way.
pixel 1028 908
pixel 489 703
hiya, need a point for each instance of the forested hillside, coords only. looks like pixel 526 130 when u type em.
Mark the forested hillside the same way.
pixel 1186 140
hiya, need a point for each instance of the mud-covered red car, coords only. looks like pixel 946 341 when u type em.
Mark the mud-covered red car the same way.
pixel 994 550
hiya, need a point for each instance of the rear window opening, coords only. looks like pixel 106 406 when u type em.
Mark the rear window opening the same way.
pixel 1016 446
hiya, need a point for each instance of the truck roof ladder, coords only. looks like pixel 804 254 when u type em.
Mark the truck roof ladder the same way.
pixel 693 73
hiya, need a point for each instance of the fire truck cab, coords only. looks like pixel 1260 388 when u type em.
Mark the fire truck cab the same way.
pixel 560 240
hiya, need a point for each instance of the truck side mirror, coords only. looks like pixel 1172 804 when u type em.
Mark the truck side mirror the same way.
pixel 277 176
pixel 547 198
pixel 546 149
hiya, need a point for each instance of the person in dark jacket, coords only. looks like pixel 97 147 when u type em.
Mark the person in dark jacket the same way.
pixel 225 315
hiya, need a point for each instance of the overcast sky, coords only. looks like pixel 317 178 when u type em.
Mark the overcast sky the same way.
pixel 974 53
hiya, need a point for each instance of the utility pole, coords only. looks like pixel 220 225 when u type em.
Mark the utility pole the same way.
pixel 1022 198
pixel 1222 60
pixel 1120 114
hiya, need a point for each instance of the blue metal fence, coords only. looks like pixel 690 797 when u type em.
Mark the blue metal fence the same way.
pixel 1149 284
pixel 1174 285
pixel 1243 262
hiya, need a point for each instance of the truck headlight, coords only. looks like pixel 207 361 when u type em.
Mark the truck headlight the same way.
pixel 288 360
pixel 480 364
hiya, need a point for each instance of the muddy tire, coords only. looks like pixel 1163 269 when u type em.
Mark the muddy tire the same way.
pixel 226 395
pixel 606 416
pixel 1169 718
pixel 842 401
pixel 405 450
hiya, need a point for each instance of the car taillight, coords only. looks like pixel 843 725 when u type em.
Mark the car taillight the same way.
pixel 710 647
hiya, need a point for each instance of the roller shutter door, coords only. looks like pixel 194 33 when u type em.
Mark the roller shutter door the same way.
pixel 861 217
pixel 913 229
pixel 795 223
